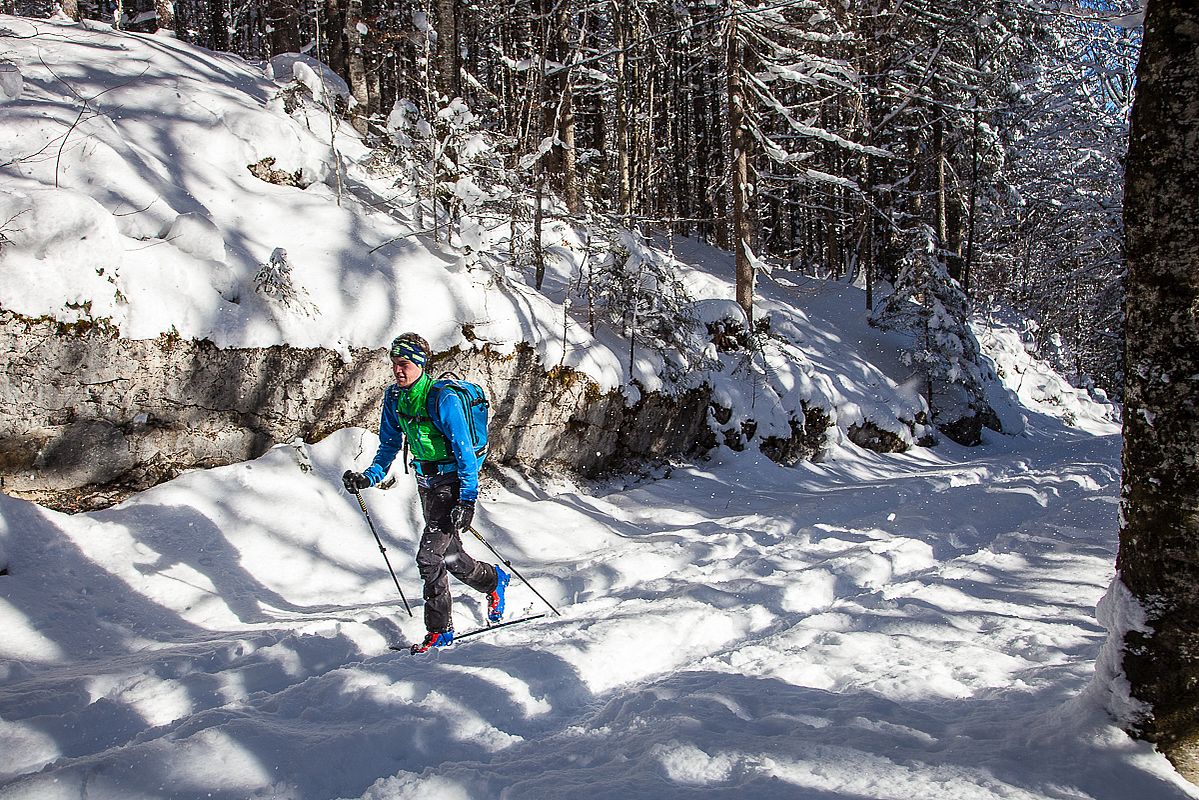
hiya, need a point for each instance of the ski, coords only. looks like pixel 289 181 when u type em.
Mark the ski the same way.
pixel 404 648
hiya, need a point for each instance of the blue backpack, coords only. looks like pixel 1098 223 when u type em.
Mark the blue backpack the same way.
pixel 473 400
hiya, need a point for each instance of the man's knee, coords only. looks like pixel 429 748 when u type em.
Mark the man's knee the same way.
pixel 430 556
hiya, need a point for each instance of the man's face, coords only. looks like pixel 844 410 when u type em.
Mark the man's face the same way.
pixel 406 372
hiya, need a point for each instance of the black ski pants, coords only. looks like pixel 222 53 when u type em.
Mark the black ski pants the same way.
pixel 441 552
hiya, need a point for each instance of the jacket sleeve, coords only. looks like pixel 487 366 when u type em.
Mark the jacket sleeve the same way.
pixel 451 421
pixel 391 439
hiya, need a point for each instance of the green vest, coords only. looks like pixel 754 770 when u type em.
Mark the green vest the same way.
pixel 425 442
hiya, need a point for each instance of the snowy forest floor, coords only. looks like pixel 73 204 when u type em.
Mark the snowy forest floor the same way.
pixel 882 626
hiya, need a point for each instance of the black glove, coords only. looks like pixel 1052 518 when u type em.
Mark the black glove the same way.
pixel 461 515
pixel 355 481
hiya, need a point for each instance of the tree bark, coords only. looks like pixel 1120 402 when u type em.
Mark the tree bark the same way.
pixel 1159 538
pixel 220 26
pixel 334 33
pixel 165 10
pixel 356 62
pixel 623 165
pixel 538 217
pixel 566 122
pixel 739 175
pixel 283 21
pixel 447 49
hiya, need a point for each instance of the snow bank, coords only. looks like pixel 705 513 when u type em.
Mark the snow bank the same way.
pixel 318 78
pixel 1120 613
pixel 63 255
pixel 146 211
pixel 1031 384
pixel 197 235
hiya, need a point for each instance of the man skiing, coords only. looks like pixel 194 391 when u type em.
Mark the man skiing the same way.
pixel 447 480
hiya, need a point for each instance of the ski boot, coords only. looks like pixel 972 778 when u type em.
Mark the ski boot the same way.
pixel 434 639
pixel 495 598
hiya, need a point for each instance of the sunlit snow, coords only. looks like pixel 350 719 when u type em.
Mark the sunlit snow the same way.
pixel 917 625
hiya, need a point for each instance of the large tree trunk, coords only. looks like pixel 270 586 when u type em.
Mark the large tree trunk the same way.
pixel 739 175
pixel 1159 539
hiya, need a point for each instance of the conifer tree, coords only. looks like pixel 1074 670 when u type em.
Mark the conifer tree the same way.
pixel 930 305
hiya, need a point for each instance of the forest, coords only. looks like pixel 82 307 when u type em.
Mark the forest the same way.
pixel 912 142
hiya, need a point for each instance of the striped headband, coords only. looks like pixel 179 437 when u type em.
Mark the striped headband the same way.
pixel 406 348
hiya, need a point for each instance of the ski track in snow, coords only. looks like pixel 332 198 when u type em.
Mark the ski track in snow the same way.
pixel 886 627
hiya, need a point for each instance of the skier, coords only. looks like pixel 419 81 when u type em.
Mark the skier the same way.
pixel 447 480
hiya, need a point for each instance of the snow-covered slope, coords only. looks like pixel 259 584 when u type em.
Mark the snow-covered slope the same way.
pixel 126 194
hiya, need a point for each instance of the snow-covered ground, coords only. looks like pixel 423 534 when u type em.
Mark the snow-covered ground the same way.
pixel 874 626
pixel 900 626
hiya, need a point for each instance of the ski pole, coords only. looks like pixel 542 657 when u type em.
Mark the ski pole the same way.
pixel 515 571
pixel 382 550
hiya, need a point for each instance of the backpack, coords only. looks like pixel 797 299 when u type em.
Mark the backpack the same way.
pixel 474 401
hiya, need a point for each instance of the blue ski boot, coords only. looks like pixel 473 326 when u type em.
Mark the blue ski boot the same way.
pixel 434 639
pixel 495 599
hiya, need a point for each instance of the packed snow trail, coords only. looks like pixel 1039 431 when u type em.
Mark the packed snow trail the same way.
pixel 881 626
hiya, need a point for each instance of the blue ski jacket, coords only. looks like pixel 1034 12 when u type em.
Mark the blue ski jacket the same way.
pixel 449 418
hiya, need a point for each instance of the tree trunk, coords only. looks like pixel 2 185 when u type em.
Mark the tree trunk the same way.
pixel 560 102
pixel 538 216
pixel 164 9
pixel 570 161
pixel 220 26
pixel 283 21
pixel 623 166
pixel 942 159
pixel 334 32
pixel 1159 538
pixel 739 175
pixel 374 78
pixel 447 49
pixel 356 62
pixel 971 212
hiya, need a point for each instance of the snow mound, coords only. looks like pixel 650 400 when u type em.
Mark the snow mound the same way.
pixel 197 235
pixel 11 82
pixel 157 206
pixel 316 77
pixel 1028 383
pixel 52 228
